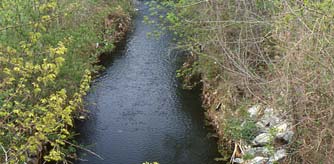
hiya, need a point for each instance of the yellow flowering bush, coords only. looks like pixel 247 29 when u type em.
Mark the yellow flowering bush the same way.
pixel 45 70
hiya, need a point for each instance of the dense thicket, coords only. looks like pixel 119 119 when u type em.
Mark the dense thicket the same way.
pixel 273 52
pixel 47 48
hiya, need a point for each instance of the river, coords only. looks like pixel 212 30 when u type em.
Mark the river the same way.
pixel 138 110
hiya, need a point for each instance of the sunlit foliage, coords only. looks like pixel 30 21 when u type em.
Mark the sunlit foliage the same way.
pixel 46 57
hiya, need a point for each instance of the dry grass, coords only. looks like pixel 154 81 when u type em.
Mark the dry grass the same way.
pixel 279 53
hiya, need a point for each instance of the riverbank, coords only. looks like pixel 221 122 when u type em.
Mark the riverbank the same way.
pixel 48 52
pixel 276 55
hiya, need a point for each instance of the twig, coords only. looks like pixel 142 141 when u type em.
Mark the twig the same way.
pixel 230 21
pixel 6 157
pixel 240 147
pixel 87 150
pixel 234 152
pixel 193 4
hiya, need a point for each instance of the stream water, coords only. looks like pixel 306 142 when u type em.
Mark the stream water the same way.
pixel 139 112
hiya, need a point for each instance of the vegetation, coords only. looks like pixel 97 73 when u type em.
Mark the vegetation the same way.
pixel 277 53
pixel 47 52
pixel 237 129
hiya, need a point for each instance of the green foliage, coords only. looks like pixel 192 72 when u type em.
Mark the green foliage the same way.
pixel 172 18
pixel 46 57
pixel 188 73
pixel 247 156
pixel 237 129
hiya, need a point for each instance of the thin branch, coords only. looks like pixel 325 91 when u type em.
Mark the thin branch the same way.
pixel 193 4
pixel 6 156
pixel 87 150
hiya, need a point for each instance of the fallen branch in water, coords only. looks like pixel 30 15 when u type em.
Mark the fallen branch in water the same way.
pixel 87 150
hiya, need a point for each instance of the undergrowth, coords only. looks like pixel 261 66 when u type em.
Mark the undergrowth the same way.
pixel 47 52
pixel 277 53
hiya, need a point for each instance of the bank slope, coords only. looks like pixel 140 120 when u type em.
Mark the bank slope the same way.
pixel 47 55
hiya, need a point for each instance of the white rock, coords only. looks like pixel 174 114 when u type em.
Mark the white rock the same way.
pixel 258 151
pixel 269 111
pixel 238 160
pixel 260 125
pixel 283 132
pixel 262 139
pixel 254 110
pixel 286 136
pixel 270 120
pixel 258 160
pixel 279 154
pixel 281 128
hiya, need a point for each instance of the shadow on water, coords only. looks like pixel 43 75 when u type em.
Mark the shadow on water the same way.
pixel 139 112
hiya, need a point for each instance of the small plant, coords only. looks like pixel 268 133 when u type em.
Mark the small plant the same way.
pixel 240 130
pixel 248 156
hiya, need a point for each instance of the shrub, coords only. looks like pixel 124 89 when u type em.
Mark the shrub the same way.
pixel 278 53
pixel 46 58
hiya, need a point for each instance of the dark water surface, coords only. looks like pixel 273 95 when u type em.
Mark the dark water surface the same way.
pixel 139 111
